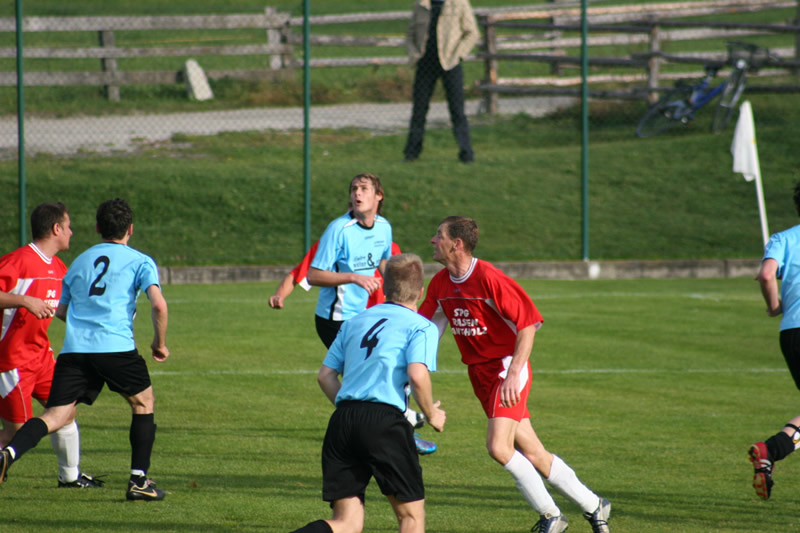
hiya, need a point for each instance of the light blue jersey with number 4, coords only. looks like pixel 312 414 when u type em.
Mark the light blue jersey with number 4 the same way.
pixel 373 350
pixel 101 288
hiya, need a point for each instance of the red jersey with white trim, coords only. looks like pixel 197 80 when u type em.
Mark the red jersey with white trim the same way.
pixel 485 308
pixel 300 273
pixel 23 337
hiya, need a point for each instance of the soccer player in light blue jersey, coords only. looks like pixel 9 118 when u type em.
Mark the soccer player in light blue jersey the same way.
pixel 378 353
pixel 781 261
pixel 349 251
pixel 98 302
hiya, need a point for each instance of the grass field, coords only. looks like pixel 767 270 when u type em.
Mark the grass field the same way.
pixel 651 390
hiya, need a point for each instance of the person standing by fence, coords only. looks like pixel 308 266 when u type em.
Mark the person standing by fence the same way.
pixel 441 33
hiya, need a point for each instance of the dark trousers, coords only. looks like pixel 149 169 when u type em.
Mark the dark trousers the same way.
pixel 429 70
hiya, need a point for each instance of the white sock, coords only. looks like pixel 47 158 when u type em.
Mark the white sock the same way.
pixel 563 478
pixel 412 416
pixel 530 484
pixel 67 445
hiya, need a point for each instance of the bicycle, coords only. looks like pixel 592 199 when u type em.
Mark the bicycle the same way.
pixel 680 104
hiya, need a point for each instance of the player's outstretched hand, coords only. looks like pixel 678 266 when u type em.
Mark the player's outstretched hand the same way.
pixel 276 302
pixel 368 283
pixel 38 307
pixel 437 417
pixel 160 352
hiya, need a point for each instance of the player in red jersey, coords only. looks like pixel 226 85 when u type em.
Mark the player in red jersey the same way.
pixel 30 287
pixel 494 323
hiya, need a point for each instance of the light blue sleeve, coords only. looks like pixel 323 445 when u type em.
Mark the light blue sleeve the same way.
pixel 147 275
pixel 423 345
pixel 776 249
pixel 328 250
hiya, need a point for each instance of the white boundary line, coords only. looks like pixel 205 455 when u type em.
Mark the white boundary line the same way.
pixel 300 372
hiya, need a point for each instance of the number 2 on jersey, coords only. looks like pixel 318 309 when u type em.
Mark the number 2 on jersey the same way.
pixel 94 289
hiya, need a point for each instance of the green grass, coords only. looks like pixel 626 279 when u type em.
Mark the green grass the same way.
pixel 651 390
pixel 237 198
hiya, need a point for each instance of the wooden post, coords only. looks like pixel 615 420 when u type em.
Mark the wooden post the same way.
pixel 109 64
pixel 490 64
pixel 653 64
pixel 555 66
pixel 273 38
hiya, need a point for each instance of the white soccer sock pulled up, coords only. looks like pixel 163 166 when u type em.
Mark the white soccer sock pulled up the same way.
pixel 563 478
pixel 67 445
pixel 530 484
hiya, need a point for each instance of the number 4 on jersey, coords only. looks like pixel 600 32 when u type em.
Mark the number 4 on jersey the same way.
pixel 370 341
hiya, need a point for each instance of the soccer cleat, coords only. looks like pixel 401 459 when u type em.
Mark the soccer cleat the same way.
pixel 5 461
pixel 84 481
pixel 762 466
pixel 599 518
pixel 424 447
pixel 147 492
pixel 550 524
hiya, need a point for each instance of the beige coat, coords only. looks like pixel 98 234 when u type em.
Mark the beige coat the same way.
pixel 456 32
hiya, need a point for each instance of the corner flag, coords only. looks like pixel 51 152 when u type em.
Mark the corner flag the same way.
pixel 745 158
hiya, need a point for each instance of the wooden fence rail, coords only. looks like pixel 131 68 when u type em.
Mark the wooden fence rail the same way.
pixel 276 47
pixel 641 24
pixel 541 39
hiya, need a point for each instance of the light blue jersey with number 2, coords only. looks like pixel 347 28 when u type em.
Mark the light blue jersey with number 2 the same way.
pixel 373 350
pixel 101 288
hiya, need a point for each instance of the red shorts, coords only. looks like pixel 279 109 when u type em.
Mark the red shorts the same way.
pixel 486 380
pixel 32 381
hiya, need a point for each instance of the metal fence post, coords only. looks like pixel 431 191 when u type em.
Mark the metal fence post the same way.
pixel 797 40
pixel 106 39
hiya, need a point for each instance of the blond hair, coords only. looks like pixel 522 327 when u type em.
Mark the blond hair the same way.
pixel 403 278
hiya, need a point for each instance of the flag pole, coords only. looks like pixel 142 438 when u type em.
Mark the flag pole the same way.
pixel 762 210
pixel 745 159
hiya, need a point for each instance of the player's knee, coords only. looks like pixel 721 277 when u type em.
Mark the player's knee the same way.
pixel 499 451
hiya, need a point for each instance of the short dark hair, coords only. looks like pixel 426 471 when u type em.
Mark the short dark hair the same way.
pixel 114 217
pixel 463 228
pixel 403 278
pixel 44 217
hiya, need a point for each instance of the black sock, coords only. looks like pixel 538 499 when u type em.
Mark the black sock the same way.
pixel 27 437
pixel 142 437
pixel 779 446
pixel 320 526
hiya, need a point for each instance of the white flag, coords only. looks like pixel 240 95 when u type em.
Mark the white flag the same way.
pixel 743 147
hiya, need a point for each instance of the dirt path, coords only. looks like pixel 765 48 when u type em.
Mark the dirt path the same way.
pixel 123 133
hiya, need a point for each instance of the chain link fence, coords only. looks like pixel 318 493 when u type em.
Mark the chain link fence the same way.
pixel 119 86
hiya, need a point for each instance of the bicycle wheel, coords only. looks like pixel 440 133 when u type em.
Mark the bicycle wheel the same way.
pixel 727 102
pixel 670 111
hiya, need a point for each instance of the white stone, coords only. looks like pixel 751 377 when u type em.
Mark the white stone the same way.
pixel 196 81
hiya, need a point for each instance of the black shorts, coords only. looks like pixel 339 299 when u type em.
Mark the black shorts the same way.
pixel 80 376
pixel 790 346
pixel 366 439
pixel 327 329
